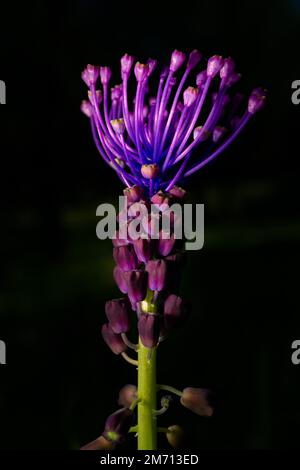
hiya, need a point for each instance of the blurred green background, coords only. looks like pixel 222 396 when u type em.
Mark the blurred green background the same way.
pixel 61 381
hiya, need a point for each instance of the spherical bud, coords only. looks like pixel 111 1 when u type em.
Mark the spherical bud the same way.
pixel 190 95
pixel 197 400
pixel 177 59
pixel 201 134
pixel 117 312
pixel 126 64
pixel 141 71
pixel 194 59
pixel 127 395
pixel 118 125
pixel 214 65
pixel 150 171
pixel 133 194
pixel 105 75
pixel 114 341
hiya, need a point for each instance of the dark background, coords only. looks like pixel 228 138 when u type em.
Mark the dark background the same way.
pixel 61 381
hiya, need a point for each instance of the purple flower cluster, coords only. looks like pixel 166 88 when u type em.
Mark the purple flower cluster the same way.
pixel 146 268
pixel 149 142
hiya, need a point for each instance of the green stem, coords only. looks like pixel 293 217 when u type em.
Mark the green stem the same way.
pixel 147 428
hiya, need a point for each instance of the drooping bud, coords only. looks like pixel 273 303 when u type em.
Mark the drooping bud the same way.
pixel 197 400
pixel 148 326
pixel 120 280
pixel 177 59
pixel 190 95
pixel 227 68
pixel 157 274
pixel 175 312
pixel 136 284
pixel 117 312
pixel 133 194
pixel 214 65
pixel 105 75
pixel 86 108
pixel 141 71
pixel 143 249
pixel 194 59
pixel 166 245
pixel 175 435
pixel 178 193
pixel 126 64
pixel 90 74
pixel 117 425
pixel 150 171
pixel 127 395
pixel 118 125
pixel 113 341
pixel 256 100
pixel 201 78
pixel 125 257
pixel 99 444
pixel 218 133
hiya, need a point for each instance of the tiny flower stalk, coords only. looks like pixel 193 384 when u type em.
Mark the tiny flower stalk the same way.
pixel 149 142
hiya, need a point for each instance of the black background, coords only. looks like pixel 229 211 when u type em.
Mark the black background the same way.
pixel 60 381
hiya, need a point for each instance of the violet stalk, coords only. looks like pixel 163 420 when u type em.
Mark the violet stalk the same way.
pixel 150 144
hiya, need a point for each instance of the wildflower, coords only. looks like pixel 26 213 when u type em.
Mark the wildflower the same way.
pixel 114 341
pixel 117 312
pixel 157 274
pixel 148 326
pixel 117 425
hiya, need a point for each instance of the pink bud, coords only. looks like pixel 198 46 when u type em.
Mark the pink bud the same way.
pixel 86 108
pixel 194 59
pixel 105 75
pixel 214 65
pixel 126 64
pixel 177 60
pixel 189 96
pixel 141 71
pixel 150 171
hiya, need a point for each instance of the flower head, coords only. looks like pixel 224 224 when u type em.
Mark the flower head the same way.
pixel 152 146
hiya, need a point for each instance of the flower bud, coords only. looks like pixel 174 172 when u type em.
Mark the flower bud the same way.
pixel 150 171
pixel 113 341
pixel 256 100
pixel 136 284
pixel 194 59
pixel 117 425
pixel 201 79
pixel 177 193
pixel 141 71
pixel 177 60
pixel 152 63
pixel 118 125
pixel 148 326
pixel 161 200
pixel 143 249
pixel 120 280
pixel 127 395
pixel 116 93
pixel 90 74
pixel 197 400
pixel 117 312
pixel 199 132
pixel 175 435
pixel 118 240
pixel 190 95
pixel 133 194
pixel 86 108
pixel 105 75
pixel 98 97
pixel 126 64
pixel 99 444
pixel 166 245
pixel 125 257
pixel 233 79
pixel 218 133
pixel 157 274
pixel 227 68
pixel 214 65
pixel 175 312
